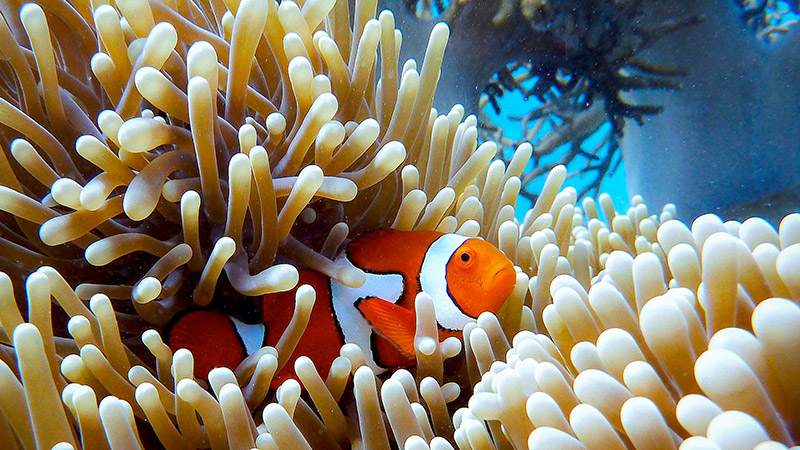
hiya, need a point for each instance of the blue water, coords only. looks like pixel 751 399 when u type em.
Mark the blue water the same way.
pixel 513 104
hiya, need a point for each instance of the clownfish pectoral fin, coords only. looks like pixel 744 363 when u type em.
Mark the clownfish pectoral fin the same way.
pixel 394 322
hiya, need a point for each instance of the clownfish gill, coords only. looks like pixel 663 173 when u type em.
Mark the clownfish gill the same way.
pixel 464 277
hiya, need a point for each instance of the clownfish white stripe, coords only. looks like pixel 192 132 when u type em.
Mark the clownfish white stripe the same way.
pixel 252 335
pixel 433 280
pixel 354 326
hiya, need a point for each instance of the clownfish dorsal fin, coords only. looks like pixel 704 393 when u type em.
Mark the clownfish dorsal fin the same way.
pixel 394 322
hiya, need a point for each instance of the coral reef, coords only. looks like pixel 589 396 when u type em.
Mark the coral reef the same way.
pixel 770 19
pixel 563 131
pixel 595 46
pixel 574 64
pixel 208 149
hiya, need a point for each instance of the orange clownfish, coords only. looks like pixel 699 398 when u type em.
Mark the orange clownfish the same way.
pixel 464 276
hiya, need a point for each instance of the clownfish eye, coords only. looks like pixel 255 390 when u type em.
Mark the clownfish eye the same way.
pixel 466 257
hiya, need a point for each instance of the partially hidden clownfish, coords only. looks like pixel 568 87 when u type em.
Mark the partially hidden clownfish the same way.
pixel 464 277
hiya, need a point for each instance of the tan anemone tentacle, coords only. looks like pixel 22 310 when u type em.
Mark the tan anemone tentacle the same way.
pixel 242 141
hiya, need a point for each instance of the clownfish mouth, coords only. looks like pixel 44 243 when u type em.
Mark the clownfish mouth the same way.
pixel 504 276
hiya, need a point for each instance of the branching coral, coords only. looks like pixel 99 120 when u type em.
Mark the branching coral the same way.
pixel 574 63
pixel 769 19
pixel 192 169
pixel 598 44
pixel 563 121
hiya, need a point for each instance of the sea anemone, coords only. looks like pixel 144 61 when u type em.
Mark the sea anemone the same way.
pixel 687 337
pixel 201 182
pixel 174 169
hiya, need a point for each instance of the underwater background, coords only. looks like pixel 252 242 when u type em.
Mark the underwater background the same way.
pixel 712 122
pixel 399 224
pixel 515 104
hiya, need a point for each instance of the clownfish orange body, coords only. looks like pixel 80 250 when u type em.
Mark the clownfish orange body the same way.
pixel 464 277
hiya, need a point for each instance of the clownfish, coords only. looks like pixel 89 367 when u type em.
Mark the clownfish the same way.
pixel 464 277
